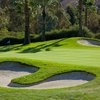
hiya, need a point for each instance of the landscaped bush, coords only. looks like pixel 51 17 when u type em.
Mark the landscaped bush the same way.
pixel 67 33
pixel 15 38
pixel 11 41
pixel 4 33
pixel 87 33
pixel 97 36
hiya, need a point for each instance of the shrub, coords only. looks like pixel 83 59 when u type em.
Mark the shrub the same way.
pixel 54 34
pixel 67 33
pixel 4 33
pixel 97 36
pixel 87 33
pixel 11 41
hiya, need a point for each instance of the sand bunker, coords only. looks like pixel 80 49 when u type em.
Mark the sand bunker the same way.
pixel 89 42
pixel 9 71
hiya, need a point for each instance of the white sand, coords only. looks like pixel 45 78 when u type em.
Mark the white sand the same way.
pixel 9 71
pixel 89 42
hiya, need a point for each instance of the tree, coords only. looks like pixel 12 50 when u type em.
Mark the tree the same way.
pixel 71 12
pixel 88 4
pixel 55 18
pixel 80 8
pixel 44 20
pixel 27 17
pixel 63 18
pixel 24 7
pixel 44 5
pixel 94 22
pixel 4 3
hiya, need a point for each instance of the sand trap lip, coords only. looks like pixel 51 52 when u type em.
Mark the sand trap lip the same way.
pixel 10 70
pixel 88 42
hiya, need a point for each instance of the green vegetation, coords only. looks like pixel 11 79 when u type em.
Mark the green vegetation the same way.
pixel 53 57
pixel 26 21
pixel 35 17
pixel 17 38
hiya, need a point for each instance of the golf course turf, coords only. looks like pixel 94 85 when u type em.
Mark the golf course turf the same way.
pixel 11 70
pixel 52 58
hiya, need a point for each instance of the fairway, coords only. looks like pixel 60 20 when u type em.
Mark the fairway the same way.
pixel 67 51
pixel 53 58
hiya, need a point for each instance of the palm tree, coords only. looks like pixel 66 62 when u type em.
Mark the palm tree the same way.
pixel 44 5
pixel 88 4
pixel 80 6
pixel 24 5
pixel 44 21
pixel 86 11
pixel 27 17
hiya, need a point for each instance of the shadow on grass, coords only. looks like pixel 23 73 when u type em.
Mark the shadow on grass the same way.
pixel 10 47
pixel 44 46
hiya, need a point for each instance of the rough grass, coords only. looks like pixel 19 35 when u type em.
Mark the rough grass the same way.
pixel 53 57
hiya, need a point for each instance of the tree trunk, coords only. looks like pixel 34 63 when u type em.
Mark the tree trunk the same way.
pixel 44 20
pixel 27 35
pixel 80 17
pixel 86 15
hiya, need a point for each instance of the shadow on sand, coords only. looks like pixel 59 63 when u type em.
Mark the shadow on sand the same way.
pixel 79 77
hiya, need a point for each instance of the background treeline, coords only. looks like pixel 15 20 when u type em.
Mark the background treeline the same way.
pixel 48 17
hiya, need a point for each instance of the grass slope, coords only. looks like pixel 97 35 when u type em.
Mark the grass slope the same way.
pixel 53 57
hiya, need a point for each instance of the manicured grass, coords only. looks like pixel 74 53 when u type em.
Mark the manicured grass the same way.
pixel 53 57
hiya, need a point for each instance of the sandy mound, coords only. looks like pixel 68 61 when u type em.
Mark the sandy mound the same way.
pixel 89 42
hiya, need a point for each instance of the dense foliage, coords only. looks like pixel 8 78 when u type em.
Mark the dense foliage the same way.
pixel 45 16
